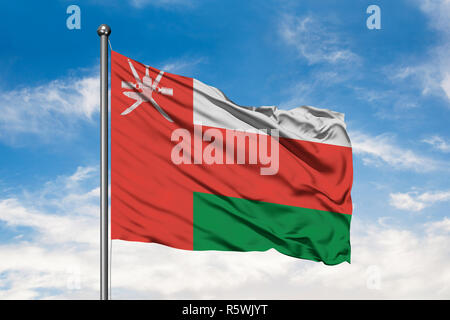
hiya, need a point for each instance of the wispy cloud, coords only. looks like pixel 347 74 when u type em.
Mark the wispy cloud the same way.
pixel 433 74
pixel 438 227
pixel 405 201
pixel 382 150
pixel 430 78
pixel 439 143
pixel 60 259
pixel 414 201
pixel 310 90
pixel 48 109
pixel 81 174
pixel 61 209
pixel 445 84
pixel 314 42
pixel 182 65
pixel 439 10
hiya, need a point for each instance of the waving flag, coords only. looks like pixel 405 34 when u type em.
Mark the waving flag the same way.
pixel 193 170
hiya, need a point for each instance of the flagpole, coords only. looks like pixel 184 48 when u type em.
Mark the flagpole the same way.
pixel 104 31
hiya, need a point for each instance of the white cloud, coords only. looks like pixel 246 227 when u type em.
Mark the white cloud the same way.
pixel 53 228
pixel 445 84
pixel 48 110
pixel 430 77
pixel 439 12
pixel 433 74
pixel 416 202
pixel 61 211
pixel 314 41
pixel 432 197
pixel 310 91
pixel 381 150
pixel 82 173
pixel 60 259
pixel 405 201
pixel 439 227
pixel 181 65
pixel 438 143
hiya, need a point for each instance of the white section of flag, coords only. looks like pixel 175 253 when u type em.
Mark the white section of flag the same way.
pixel 212 108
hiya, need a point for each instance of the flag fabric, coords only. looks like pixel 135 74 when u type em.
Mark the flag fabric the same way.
pixel 192 170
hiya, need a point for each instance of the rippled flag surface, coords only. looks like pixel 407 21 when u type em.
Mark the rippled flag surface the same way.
pixel 191 169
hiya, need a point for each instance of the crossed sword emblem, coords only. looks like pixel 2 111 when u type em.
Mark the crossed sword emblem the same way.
pixel 146 88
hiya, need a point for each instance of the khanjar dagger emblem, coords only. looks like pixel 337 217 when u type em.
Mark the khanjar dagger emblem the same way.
pixel 145 89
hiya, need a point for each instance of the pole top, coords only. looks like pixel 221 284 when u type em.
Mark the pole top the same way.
pixel 104 30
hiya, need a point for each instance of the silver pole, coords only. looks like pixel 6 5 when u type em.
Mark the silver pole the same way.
pixel 104 31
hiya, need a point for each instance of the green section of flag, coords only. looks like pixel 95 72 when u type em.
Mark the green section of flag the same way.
pixel 234 224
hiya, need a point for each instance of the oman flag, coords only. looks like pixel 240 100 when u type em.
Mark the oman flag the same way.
pixel 191 169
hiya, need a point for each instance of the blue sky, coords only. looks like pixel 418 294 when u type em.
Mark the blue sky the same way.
pixel 392 84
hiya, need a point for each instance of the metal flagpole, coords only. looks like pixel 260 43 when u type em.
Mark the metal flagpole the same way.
pixel 104 31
